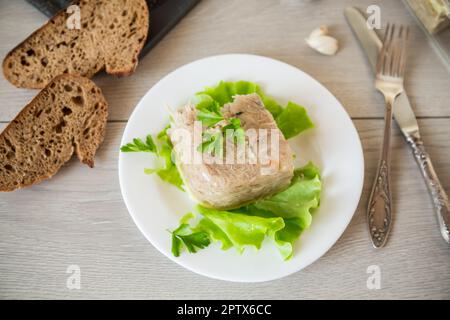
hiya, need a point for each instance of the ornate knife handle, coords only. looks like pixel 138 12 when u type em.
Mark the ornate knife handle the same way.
pixel 379 212
pixel 437 192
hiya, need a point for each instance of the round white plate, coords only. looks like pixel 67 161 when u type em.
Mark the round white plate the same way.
pixel 333 145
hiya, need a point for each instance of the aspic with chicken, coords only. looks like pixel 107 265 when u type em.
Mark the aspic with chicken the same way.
pixel 243 195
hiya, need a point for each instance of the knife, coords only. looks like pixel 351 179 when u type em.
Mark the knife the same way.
pixel 406 120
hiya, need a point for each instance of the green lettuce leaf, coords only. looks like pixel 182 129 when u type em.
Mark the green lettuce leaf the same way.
pixel 215 233
pixel 291 120
pixel 282 217
pixel 206 103
pixel 224 91
pixel 296 201
pixel 286 237
pixel 294 204
pixel 212 98
pixel 237 229
pixel 169 172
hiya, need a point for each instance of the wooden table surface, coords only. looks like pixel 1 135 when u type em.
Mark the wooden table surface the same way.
pixel 79 218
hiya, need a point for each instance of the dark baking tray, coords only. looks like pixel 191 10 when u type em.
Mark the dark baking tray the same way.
pixel 164 15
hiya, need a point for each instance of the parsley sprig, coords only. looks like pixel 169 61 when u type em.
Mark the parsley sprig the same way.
pixel 212 142
pixel 140 146
pixel 238 134
pixel 169 171
pixel 209 118
pixel 192 241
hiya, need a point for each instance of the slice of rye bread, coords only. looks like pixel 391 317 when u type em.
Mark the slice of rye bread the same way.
pixel 68 115
pixel 111 36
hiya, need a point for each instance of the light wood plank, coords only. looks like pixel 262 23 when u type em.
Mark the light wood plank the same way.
pixel 78 217
pixel 272 28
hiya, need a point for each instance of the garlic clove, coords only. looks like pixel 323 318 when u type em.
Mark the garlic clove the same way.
pixel 321 31
pixel 324 44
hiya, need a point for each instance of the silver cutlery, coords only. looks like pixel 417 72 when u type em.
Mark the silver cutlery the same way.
pixel 407 122
pixel 389 81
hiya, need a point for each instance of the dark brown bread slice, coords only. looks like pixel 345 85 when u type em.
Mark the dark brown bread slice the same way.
pixel 67 116
pixel 111 35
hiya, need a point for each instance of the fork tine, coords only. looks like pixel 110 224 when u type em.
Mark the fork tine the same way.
pixel 390 45
pixel 386 32
pixel 392 55
pixel 391 35
pixel 387 44
pixel 383 51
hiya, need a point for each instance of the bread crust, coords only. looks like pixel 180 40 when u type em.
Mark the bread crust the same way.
pixel 105 45
pixel 76 141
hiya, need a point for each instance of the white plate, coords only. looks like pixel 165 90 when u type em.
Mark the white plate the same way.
pixel 333 145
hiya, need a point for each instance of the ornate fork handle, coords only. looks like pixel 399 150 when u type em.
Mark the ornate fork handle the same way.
pixel 379 211
pixel 437 192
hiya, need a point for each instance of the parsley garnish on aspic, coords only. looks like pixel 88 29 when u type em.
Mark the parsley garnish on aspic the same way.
pixel 212 141
pixel 209 118
pixel 237 133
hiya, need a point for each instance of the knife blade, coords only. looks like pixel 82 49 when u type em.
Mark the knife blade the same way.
pixel 406 119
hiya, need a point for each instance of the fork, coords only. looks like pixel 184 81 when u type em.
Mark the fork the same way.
pixel 389 81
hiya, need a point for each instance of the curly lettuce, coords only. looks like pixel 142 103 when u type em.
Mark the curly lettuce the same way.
pixel 282 217
pixel 291 120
